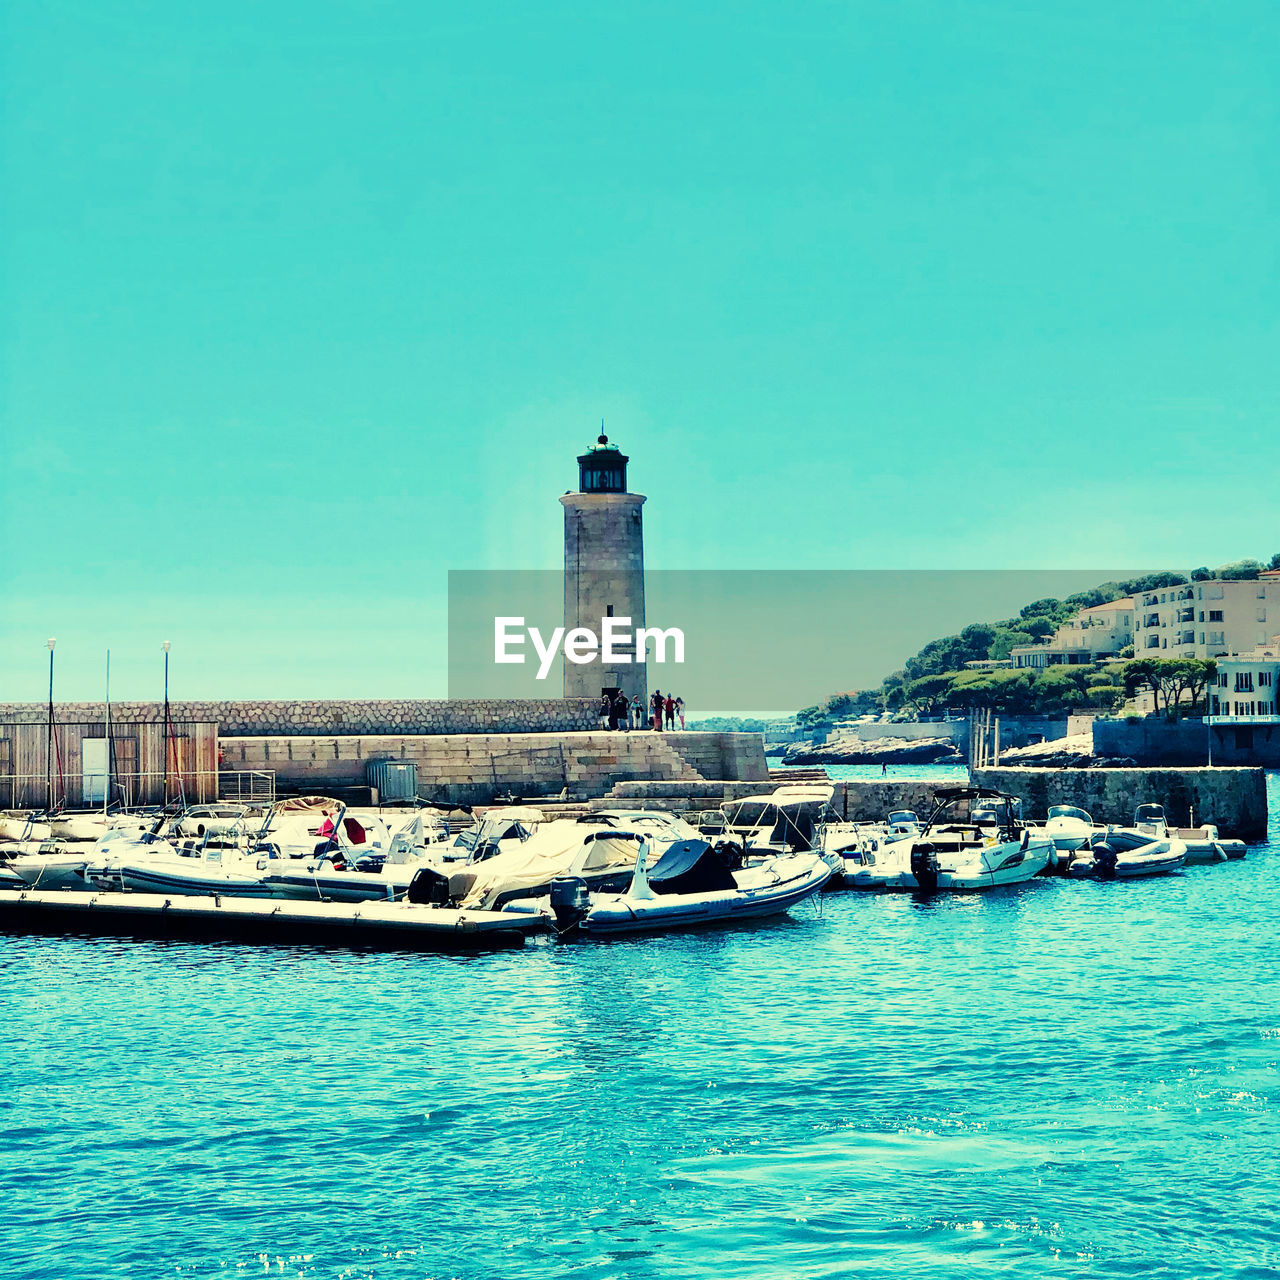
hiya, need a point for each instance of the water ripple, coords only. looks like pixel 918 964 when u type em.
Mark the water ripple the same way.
pixel 1075 1080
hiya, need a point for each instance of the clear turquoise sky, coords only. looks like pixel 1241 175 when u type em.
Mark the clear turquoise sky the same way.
pixel 305 304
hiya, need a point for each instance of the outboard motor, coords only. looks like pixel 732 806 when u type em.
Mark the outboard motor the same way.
pixel 1104 861
pixel 924 867
pixel 570 899
pixel 428 888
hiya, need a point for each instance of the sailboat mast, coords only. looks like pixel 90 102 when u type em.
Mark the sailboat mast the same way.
pixel 106 790
pixel 48 747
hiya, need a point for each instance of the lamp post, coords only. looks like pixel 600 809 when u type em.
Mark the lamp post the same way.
pixel 165 647
pixel 48 745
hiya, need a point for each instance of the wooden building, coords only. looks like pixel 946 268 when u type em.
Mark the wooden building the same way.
pixel 88 766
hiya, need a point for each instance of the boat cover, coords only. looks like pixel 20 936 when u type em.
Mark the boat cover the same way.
pixel 556 848
pixel 307 804
pixel 690 866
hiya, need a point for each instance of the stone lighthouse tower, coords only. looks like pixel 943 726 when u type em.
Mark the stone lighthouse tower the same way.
pixel 604 569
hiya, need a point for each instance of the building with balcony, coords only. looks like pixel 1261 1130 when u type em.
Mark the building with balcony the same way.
pixel 1244 691
pixel 1097 634
pixel 1207 619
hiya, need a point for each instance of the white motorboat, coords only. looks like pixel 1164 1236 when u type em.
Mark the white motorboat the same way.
pixel 599 848
pixel 49 864
pixel 306 827
pixel 991 850
pixel 336 877
pixel 23 827
pixel 218 869
pixel 1205 845
pixel 499 830
pixel 1069 827
pixel 690 885
pixel 901 823
pixel 1147 848
pixel 85 827
pixel 218 819
pixel 784 821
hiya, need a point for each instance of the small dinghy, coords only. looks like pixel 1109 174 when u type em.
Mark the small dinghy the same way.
pixel 691 884
pixel 1127 855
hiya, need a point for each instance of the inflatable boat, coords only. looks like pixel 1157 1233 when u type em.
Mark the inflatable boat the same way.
pixel 692 884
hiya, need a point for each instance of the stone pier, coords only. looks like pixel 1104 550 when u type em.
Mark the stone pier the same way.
pixel 1235 800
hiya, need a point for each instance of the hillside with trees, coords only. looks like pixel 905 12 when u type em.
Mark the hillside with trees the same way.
pixel 937 678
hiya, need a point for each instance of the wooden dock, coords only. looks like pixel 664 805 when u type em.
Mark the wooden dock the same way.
pixel 381 925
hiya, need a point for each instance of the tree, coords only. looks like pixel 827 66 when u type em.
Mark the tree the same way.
pixel 1169 680
pixel 1275 561
pixel 929 693
pixel 1202 574
pixel 1239 570
pixel 1153 582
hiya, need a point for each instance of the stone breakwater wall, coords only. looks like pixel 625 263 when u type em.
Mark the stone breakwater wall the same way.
pixel 1235 800
pixel 255 717
pixel 473 768
pixel 856 801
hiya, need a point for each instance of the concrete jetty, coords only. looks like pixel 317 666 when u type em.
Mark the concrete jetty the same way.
pixel 382 925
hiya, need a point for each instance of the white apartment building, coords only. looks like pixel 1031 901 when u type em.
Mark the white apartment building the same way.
pixel 1245 690
pixel 1207 619
pixel 1096 634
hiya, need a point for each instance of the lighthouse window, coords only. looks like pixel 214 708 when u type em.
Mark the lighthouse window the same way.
pixel 601 480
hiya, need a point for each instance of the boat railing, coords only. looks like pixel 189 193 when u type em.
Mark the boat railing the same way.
pixel 98 790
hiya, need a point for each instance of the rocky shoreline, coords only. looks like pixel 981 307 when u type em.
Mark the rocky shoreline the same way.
pixel 1061 753
pixel 875 751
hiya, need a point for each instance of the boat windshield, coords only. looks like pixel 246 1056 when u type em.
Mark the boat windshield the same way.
pixel 901 817
pixel 1149 813
pixel 1069 811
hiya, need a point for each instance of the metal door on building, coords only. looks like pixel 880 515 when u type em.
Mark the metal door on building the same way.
pixel 93 766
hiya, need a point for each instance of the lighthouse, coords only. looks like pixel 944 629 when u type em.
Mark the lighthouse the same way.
pixel 604 570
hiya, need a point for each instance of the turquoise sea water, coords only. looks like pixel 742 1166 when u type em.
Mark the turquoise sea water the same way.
pixel 1063 1079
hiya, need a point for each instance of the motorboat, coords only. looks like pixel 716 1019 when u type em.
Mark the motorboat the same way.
pixel 1149 820
pixel 338 876
pixel 690 884
pixel 22 827
pixel 599 848
pixel 901 823
pixel 1147 848
pixel 990 850
pixel 218 868
pixel 499 830
pixel 1205 845
pixel 219 819
pixel 1069 827
pixel 305 826
pixel 1123 854
pixel 47 864
pixel 784 821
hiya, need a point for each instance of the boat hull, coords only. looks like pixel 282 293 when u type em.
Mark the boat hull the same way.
pixel 624 914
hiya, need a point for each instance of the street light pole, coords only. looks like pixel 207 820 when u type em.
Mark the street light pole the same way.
pixel 165 647
pixel 48 745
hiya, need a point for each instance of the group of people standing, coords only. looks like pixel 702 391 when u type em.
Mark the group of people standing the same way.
pixel 620 712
